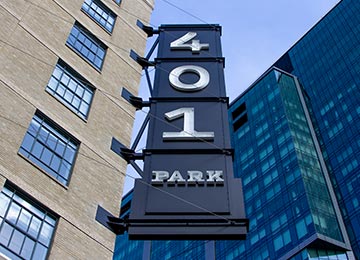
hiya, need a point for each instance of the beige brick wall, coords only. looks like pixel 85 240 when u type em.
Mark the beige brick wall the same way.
pixel 35 33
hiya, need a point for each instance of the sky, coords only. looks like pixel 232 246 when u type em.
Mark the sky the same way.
pixel 255 33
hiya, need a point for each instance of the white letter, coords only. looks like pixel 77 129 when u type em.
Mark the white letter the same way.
pixel 160 177
pixel 195 177
pixel 176 177
pixel 214 177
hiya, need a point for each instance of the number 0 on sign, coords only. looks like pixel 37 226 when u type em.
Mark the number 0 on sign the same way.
pixel 176 83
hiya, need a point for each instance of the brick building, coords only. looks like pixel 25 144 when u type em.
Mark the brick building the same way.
pixel 63 64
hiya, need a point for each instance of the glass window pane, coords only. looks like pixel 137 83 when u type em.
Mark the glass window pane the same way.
pixel 40 252
pixel 27 249
pixel 79 91
pixel 91 56
pixel 88 43
pixel 24 220
pixel 72 85
pixel 278 243
pixel 37 150
pixel 98 62
pixel 34 227
pixel 55 163
pixel 34 127
pixel 60 147
pixel 50 220
pixel 65 79
pixel 65 170
pixel 13 213
pixel 57 72
pixel 87 96
pixel 84 108
pixel 43 134
pixel 60 90
pixel 76 102
pixel 51 141
pixel 69 154
pixel 27 142
pixel 5 234
pixel 46 156
pixel 53 84
pixel 100 53
pixel 45 234
pixel 287 238
pixel 4 203
pixel 68 96
pixel 16 241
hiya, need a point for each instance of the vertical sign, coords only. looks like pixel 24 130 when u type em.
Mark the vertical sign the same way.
pixel 188 190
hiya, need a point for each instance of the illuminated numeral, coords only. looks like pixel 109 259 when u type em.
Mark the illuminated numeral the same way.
pixel 174 78
pixel 189 133
pixel 194 46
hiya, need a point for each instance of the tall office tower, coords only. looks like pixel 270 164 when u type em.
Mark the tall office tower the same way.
pixel 63 64
pixel 296 135
pixel 287 190
pixel 327 62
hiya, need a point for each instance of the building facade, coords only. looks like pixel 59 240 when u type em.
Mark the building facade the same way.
pixel 63 64
pixel 296 135
pixel 287 189
pixel 327 63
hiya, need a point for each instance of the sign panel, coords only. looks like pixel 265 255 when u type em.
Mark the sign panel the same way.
pixel 194 41
pixel 188 125
pixel 188 173
pixel 182 78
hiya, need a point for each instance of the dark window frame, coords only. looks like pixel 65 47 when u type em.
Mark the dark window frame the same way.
pixel 54 154
pixel 91 9
pixel 79 37
pixel 27 207
pixel 57 88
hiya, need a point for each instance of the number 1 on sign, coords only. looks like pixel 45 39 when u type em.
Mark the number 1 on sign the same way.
pixel 188 133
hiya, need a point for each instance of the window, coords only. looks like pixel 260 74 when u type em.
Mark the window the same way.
pixel 50 148
pixel 87 45
pixel 26 229
pixel 240 122
pixel 100 14
pixel 238 111
pixel 273 191
pixel 270 177
pixel 71 89
pixel 282 240
pixel 117 1
pixel 279 222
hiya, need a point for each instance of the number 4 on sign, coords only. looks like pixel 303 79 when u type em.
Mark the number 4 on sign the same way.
pixel 183 43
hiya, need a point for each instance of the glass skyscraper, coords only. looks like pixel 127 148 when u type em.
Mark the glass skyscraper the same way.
pixel 287 189
pixel 327 62
pixel 296 135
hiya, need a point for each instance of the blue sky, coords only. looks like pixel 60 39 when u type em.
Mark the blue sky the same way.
pixel 255 33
